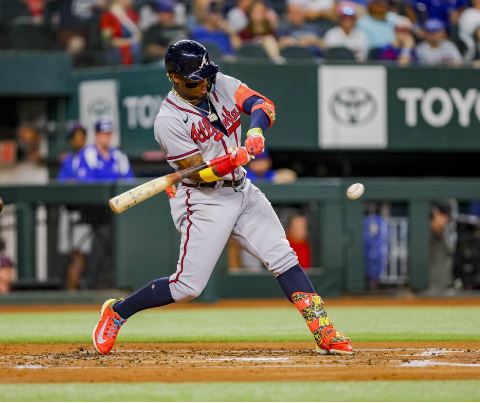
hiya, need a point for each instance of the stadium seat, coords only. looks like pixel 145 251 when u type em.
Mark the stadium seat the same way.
pixel 30 36
pixel 339 54
pixel 374 54
pixel 298 53
pixel 252 51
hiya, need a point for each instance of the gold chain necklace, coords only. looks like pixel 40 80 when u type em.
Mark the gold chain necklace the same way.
pixel 212 117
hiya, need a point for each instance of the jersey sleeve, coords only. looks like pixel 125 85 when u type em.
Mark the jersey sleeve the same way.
pixel 173 137
pixel 231 84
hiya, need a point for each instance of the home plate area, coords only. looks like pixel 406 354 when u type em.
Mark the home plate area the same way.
pixel 255 361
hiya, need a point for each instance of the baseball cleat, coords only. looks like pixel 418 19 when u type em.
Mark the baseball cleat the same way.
pixel 106 331
pixel 333 342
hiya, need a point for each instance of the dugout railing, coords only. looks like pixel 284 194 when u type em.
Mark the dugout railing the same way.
pixel 145 244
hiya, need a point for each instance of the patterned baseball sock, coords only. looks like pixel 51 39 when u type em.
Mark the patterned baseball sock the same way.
pixel 156 293
pixel 311 308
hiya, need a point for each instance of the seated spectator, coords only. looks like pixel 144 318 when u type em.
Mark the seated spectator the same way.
pixel 261 30
pixel 101 161
pixel 297 235
pixel 378 28
pixel 316 10
pixel 436 49
pixel 346 34
pixel 213 29
pixel 70 20
pixel 448 12
pixel 164 32
pixel 7 270
pixel 77 137
pixel 237 17
pixel 469 30
pixel 120 33
pixel 297 32
pixel 260 169
pixel 36 8
pixel 402 49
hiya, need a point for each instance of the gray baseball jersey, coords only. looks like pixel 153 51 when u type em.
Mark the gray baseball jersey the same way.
pixel 207 217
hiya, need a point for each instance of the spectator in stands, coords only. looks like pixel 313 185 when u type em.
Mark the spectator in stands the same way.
pixel 469 30
pixel 101 161
pixel 77 138
pixel 442 246
pixel 296 31
pixel 30 168
pixel 36 8
pixel 375 244
pixel 378 28
pixel 71 21
pixel 319 11
pixel 237 17
pixel 419 11
pixel 260 169
pixel 7 270
pixel 120 33
pixel 164 32
pixel 402 49
pixel 436 49
pixel 297 235
pixel 262 31
pixel 213 30
pixel 346 34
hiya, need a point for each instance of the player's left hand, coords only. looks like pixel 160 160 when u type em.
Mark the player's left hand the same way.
pixel 239 156
pixel 171 191
pixel 255 142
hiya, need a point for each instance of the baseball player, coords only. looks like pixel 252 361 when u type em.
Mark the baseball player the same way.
pixel 200 120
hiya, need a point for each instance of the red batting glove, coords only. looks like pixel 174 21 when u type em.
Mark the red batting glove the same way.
pixel 171 191
pixel 239 156
pixel 255 142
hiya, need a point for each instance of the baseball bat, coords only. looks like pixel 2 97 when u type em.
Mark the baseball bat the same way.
pixel 142 192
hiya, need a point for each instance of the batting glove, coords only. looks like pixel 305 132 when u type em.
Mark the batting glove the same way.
pixel 239 156
pixel 171 191
pixel 255 142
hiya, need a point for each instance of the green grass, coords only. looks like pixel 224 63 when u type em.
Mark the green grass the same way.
pixel 253 391
pixel 247 324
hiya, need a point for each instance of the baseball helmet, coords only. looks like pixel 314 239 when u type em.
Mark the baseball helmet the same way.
pixel 190 60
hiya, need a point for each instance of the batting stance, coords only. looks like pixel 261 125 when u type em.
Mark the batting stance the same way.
pixel 200 121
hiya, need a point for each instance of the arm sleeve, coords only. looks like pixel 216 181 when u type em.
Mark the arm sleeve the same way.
pixel 173 137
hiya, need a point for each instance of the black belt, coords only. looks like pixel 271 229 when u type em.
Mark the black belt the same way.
pixel 218 184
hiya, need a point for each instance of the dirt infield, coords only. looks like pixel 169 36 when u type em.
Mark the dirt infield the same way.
pixel 236 362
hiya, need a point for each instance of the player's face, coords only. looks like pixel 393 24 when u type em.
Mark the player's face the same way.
pixel 191 90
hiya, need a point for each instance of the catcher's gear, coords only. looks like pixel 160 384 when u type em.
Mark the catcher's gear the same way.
pixel 255 142
pixel 190 60
pixel 329 341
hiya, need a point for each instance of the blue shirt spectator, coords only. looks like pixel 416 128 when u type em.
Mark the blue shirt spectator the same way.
pixel 378 28
pixel 438 9
pixel 77 136
pixel 100 161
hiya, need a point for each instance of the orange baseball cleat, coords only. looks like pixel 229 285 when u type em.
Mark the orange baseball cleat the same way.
pixel 333 342
pixel 106 331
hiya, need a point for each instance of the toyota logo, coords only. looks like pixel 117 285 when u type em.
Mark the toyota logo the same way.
pixel 353 106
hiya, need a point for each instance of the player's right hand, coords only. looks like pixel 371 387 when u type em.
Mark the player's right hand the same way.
pixel 239 156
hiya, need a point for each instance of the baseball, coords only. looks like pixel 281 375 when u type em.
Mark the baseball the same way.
pixel 355 191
